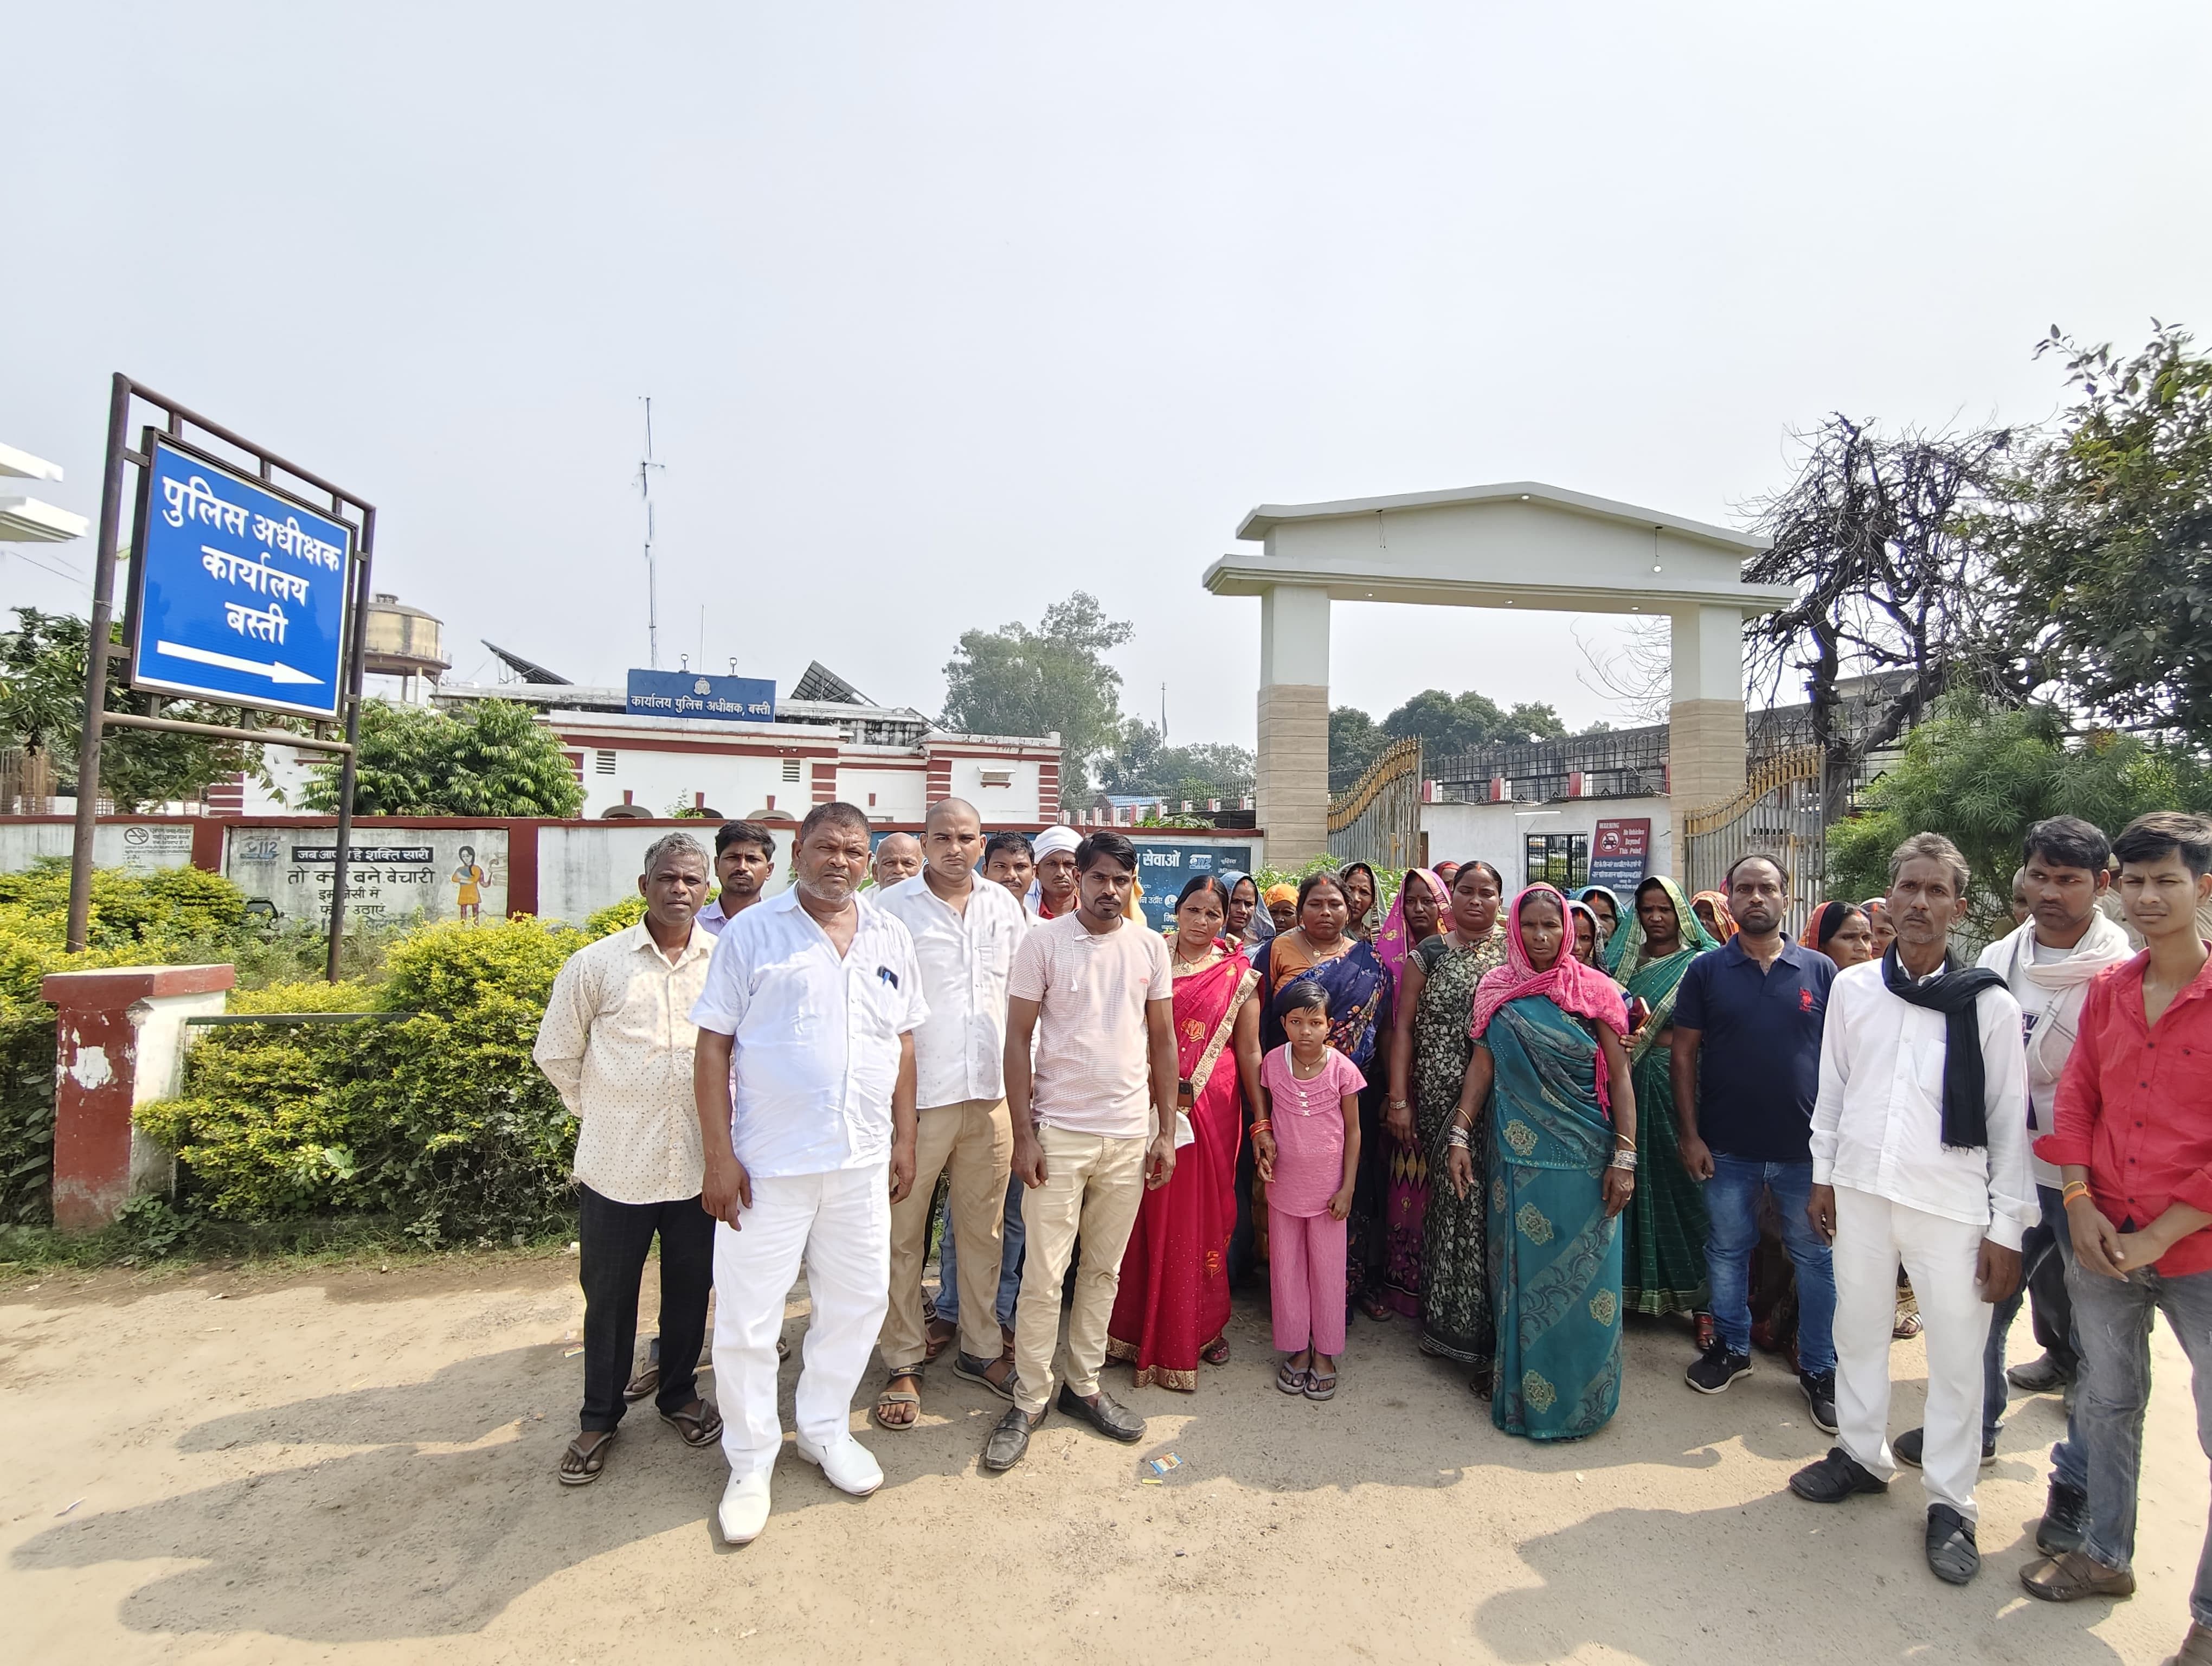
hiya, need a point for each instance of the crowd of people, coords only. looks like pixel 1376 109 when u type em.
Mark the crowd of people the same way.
pixel 1507 1121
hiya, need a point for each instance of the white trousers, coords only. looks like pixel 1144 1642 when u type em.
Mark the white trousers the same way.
pixel 839 1224
pixel 1874 1237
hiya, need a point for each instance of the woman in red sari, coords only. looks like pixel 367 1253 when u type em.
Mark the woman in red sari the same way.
pixel 1173 1306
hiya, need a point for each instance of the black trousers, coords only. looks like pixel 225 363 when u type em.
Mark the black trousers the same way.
pixel 612 1242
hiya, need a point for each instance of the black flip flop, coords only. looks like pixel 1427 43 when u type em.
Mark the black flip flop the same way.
pixel 594 1461
pixel 704 1430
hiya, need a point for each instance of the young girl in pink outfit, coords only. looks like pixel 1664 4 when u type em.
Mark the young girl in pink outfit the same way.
pixel 1307 1145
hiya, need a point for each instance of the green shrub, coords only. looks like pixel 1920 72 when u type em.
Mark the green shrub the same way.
pixel 175 906
pixel 177 915
pixel 442 1119
pixel 479 1141
pixel 261 1129
pixel 616 917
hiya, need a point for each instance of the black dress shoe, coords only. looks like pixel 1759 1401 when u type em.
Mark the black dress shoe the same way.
pixel 1835 1478
pixel 1105 1414
pixel 1004 1450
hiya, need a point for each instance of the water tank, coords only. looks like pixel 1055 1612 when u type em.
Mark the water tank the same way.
pixel 399 640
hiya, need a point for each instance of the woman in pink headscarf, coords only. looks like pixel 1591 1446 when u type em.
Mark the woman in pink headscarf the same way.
pixel 1550 1068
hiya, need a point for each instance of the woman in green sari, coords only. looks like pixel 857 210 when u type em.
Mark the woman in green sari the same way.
pixel 1663 1234
pixel 1550 1065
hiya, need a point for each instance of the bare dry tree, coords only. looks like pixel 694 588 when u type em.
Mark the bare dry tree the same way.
pixel 1635 670
pixel 1878 532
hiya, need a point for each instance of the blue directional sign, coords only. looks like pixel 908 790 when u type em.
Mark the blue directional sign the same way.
pixel 237 594
pixel 689 694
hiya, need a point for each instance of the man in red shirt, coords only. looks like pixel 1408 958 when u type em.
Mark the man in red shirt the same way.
pixel 2133 1139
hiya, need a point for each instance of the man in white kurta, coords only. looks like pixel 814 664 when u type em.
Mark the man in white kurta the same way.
pixel 812 1001
pixel 1897 1182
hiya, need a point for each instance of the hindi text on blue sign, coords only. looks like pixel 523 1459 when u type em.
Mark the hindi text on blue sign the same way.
pixel 240 593
pixel 691 693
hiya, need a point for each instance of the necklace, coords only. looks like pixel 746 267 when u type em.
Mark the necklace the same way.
pixel 1181 968
pixel 1311 1092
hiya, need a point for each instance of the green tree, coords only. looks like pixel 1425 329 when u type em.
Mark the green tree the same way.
pixel 1054 679
pixel 1982 774
pixel 1449 724
pixel 496 759
pixel 1354 742
pixel 2107 562
pixel 1142 764
pixel 42 710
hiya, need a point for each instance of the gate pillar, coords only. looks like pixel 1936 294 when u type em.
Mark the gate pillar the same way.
pixel 1705 742
pixel 1290 779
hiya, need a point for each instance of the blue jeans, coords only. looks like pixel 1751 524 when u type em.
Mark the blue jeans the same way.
pixel 946 1302
pixel 2069 1464
pixel 2113 1320
pixel 1732 1210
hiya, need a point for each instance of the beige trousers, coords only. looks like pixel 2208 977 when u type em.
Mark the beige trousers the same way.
pixel 1092 1187
pixel 974 1139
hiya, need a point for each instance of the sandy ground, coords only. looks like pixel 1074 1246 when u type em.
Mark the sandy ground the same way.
pixel 357 1466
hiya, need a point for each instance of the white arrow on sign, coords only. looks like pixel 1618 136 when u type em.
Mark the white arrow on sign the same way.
pixel 276 671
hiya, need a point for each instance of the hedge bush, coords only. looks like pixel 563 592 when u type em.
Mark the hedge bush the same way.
pixel 171 915
pixel 263 1129
pixel 440 1119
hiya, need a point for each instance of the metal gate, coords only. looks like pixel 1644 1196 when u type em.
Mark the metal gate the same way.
pixel 1378 822
pixel 1778 814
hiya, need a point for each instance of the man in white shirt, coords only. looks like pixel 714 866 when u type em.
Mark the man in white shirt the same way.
pixel 2048 963
pixel 965 931
pixel 1094 1127
pixel 810 1005
pixel 1919 1157
pixel 1008 862
pixel 616 1043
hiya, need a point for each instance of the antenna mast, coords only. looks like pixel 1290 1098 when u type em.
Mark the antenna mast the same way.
pixel 644 467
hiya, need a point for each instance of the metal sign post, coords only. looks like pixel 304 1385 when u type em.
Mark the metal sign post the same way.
pixel 244 591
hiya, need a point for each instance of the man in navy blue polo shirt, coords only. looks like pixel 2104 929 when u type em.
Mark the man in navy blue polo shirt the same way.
pixel 1746 1069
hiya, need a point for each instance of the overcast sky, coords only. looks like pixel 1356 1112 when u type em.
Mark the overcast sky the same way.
pixel 947 311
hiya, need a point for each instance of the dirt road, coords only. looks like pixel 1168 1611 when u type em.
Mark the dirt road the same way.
pixel 358 1467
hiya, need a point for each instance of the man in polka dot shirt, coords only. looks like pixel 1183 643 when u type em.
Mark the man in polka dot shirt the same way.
pixel 618 1042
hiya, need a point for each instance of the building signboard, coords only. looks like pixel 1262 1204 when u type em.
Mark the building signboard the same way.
pixel 238 594
pixel 1620 855
pixel 689 694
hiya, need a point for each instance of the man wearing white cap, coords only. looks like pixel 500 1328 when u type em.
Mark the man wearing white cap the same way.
pixel 1052 896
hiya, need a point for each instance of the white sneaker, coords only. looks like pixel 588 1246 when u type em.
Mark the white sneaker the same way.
pixel 845 1463
pixel 745 1507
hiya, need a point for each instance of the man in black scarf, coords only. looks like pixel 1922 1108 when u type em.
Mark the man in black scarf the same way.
pixel 1919 1159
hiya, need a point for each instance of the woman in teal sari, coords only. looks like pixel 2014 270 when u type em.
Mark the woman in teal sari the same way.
pixel 1550 1065
pixel 1663 1235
